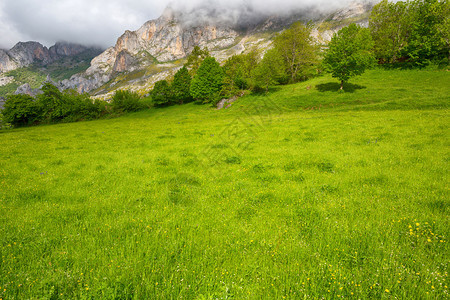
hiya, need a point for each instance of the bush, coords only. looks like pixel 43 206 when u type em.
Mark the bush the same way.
pixel 161 93
pixel 3 123
pixel 20 110
pixel 81 107
pixel 53 106
pixel 125 101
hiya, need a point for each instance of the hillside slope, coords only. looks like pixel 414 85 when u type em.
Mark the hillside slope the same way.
pixel 157 49
pixel 304 193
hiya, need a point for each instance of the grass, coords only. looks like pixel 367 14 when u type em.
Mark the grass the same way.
pixel 304 193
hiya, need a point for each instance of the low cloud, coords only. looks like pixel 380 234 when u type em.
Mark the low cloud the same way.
pixel 101 22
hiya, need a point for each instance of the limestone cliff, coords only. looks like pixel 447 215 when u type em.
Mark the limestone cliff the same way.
pixel 154 48
pixel 164 39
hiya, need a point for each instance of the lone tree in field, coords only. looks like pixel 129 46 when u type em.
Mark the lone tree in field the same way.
pixel 298 50
pixel 207 83
pixel 349 53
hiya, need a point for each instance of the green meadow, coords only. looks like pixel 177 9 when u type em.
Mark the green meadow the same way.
pixel 302 193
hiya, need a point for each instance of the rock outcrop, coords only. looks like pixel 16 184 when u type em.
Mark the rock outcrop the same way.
pixel 24 54
pixel 164 39
pixel 4 80
pixel 7 63
pixel 173 36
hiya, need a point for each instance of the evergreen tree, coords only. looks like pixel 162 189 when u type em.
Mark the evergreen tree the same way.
pixel 181 86
pixel 207 83
pixel 349 53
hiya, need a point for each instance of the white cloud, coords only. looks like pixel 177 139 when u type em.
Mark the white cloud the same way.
pixel 101 22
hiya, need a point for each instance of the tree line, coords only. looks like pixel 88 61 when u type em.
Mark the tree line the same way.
pixel 55 106
pixel 400 34
pixel 404 33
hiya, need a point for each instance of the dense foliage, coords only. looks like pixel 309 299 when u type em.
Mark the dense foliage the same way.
pixel 207 82
pixel 238 72
pixel 270 71
pixel 181 86
pixel 415 32
pixel 125 101
pixel 51 106
pixel 161 93
pixel 298 50
pixel 20 110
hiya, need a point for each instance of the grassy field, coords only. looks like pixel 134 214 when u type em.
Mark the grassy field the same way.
pixel 304 193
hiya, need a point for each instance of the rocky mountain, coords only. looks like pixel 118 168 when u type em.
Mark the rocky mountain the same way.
pixel 24 54
pixel 30 63
pixel 157 49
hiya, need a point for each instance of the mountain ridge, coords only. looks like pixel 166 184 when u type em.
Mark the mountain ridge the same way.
pixel 157 49
pixel 24 54
pixel 162 44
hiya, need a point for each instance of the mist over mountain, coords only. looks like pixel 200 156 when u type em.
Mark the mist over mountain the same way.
pixel 157 48
pixel 100 22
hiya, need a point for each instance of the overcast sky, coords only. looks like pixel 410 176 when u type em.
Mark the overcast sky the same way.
pixel 101 22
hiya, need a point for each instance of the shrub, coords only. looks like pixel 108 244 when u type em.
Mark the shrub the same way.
pixel 125 101
pixel 20 110
pixel 81 107
pixel 161 94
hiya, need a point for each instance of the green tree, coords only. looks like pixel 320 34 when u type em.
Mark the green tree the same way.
pixel 125 101
pixel 207 83
pixel 414 31
pixel 54 106
pixel 429 36
pixel 195 59
pixel 181 86
pixel 82 107
pixel 349 53
pixel 161 93
pixel 390 26
pixel 269 71
pixel 238 72
pixel 20 110
pixel 298 50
